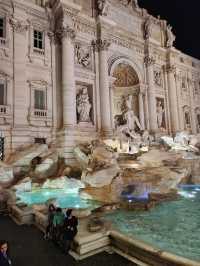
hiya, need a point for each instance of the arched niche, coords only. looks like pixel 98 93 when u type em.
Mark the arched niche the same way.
pixel 125 82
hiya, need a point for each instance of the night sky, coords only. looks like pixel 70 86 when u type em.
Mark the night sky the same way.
pixel 184 17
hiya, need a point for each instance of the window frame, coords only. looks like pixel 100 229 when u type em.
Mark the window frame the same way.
pixel 38 40
pixel 44 99
pixel 40 3
pixel 3 81
pixel 3 27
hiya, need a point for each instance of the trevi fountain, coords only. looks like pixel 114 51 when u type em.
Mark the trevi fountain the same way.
pixel 102 115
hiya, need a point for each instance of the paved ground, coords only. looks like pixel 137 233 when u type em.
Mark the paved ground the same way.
pixel 28 248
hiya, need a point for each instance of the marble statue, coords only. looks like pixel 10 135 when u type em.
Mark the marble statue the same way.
pixel 129 115
pixel 135 3
pixel 102 6
pixel 147 28
pixel 128 2
pixel 83 106
pixel 159 113
pixel 170 36
pixel 82 56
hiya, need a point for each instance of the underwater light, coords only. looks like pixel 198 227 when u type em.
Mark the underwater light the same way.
pixel 186 194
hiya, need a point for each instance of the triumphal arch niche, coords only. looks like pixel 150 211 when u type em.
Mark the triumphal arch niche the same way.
pixel 126 96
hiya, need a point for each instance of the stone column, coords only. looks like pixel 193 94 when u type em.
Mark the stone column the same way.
pixel 172 98
pixel 106 127
pixel 149 62
pixel 179 97
pixel 192 104
pixel 68 77
pixel 141 109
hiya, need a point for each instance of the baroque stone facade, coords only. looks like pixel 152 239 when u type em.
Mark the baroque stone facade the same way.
pixel 67 66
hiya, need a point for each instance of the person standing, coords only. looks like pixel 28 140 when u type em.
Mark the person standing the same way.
pixel 51 213
pixel 4 258
pixel 69 230
pixel 58 221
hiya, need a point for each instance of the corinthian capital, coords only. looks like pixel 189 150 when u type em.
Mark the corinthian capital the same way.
pixel 18 26
pixel 101 45
pixel 66 32
pixel 171 69
pixel 149 60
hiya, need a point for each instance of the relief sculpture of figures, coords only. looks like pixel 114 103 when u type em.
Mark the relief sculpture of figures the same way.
pixel 170 36
pixel 159 112
pixel 102 6
pixel 82 56
pixel 83 106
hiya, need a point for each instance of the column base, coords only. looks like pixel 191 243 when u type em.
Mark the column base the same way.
pixel 106 133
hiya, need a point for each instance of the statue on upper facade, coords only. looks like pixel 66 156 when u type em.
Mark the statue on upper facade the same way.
pixel 159 113
pixel 83 105
pixel 147 28
pixel 128 2
pixel 135 4
pixel 82 56
pixel 170 37
pixel 102 7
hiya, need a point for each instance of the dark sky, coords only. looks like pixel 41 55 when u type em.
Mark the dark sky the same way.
pixel 184 17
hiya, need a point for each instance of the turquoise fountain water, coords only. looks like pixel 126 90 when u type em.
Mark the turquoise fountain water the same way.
pixel 172 226
pixel 63 197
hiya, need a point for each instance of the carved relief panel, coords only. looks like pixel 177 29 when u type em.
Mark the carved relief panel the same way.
pixel 84 104
pixel 158 78
pixel 83 56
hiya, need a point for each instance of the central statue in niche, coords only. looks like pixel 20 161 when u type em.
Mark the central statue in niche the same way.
pixel 129 115
pixel 127 122
pixel 83 105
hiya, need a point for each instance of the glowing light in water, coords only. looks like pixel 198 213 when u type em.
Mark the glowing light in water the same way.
pixel 186 194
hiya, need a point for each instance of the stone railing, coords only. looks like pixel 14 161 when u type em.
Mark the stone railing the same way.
pixel 4 110
pixel 143 254
pixel 40 113
pixel 42 116
pixel 2 41
pixel 39 52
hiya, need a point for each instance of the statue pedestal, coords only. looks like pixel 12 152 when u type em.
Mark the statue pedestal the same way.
pixel 85 125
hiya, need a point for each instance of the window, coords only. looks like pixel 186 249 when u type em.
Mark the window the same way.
pixel 40 140
pixel 38 39
pixel 39 96
pixel 40 2
pixel 2 93
pixel 2 28
pixel 1 148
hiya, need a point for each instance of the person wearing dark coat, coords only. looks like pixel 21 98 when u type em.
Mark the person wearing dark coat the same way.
pixel 49 229
pixel 4 258
pixel 69 230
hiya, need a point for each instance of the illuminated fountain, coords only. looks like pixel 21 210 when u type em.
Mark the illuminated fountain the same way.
pixel 134 183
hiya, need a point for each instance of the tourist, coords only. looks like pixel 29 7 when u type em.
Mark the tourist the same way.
pixel 58 221
pixel 4 257
pixel 49 229
pixel 69 230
